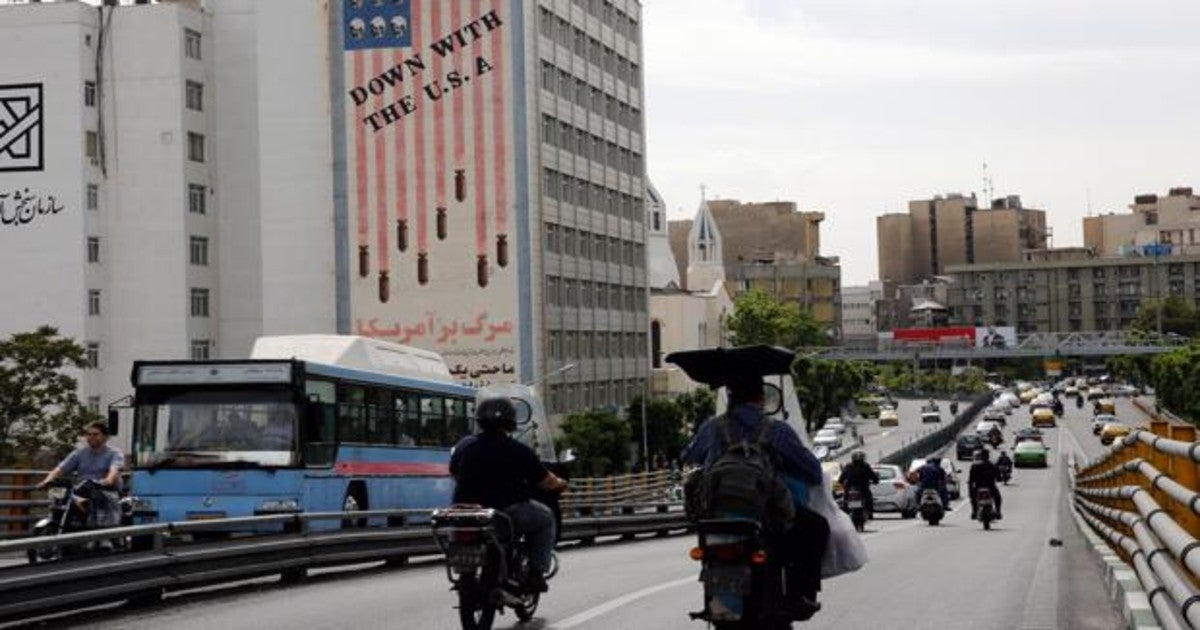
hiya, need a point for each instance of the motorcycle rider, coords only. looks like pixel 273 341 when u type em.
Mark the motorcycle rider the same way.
pixel 101 463
pixel 804 545
pixel 495 471
pixel 984 474
pixel 933 477
pixel 1003 462
pixel 859 475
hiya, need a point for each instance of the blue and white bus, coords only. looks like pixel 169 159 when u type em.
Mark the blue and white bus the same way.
pixel 310 423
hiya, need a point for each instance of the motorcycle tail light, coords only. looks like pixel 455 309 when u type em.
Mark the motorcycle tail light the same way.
pixel 758 557
pixel 726 553
pixel 465 536
pixel 696 553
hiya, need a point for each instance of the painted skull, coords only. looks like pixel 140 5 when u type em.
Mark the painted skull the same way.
pixel 358 28
pixel 379 27
pixel 399 26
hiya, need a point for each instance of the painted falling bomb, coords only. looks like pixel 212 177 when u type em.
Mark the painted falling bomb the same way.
pixel 364 261
pixel 384 287
pixel 502 250
pixel 422 268
pixel 441 223
pixel 481 270
pixel 402 235
pixel 460 184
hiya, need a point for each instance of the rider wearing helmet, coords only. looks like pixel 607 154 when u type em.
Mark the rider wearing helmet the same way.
pixel 859 475
pixel 984 474
pixel 933 477
pixel 494 470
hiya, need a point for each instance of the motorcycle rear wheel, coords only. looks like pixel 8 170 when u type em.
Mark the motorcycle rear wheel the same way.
pixel 525 612
pixel 477 611
pixel 45 554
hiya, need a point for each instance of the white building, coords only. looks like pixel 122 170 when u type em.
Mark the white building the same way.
pixel 187 151
pixel 859 322
pixel 224 169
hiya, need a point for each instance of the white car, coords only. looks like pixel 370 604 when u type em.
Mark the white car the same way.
pixel 828 438
pixel 836 424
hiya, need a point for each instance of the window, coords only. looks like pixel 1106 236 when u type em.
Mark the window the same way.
pixel 196 197
pixel 191 44
pixel 199 251
pixel 201 349
pixel 199 303
pixel 93 249
pixel 93 302
pixel 89 93
pixel 93 404
pixel 194 96
pixel 93 354
pixel 91 145
pixel 93 197
pixel 195 146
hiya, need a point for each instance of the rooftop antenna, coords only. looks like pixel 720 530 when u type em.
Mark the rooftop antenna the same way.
pixel 703 191
pixel 1089 201
pixel 987 185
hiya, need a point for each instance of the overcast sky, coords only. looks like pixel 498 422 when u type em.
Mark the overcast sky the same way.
pixel 855 107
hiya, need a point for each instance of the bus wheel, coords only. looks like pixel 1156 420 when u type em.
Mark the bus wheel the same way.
pixel 354 501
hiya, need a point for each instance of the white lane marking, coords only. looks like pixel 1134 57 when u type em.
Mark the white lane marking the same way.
pixel 614 604
pixel 886 433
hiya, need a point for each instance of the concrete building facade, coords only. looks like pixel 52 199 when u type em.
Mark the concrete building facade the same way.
pixel 1172 220
pixel 859 317
pixel 953 230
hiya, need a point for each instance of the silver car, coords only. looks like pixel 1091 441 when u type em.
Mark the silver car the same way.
pixel 893 493
pixel 952 472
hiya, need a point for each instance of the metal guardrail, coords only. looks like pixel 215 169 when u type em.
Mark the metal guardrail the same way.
pixel 19 507
pixel 31 590
pixel 1142 496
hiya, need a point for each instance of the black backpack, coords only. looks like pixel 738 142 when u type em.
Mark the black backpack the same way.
pixel 741 483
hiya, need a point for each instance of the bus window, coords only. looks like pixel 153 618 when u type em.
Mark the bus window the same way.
pixel 460 422
pixel 433 421
pixel 379 415
pixel 397 419
pixel 412 417
pixel 320 424
pixel 352 422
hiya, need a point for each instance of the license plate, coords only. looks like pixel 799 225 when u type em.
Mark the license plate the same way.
pixel 854 505
pixel 205 516
pixel 724 588
pixel 466 557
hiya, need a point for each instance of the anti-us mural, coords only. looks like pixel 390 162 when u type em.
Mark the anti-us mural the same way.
pixel 430 122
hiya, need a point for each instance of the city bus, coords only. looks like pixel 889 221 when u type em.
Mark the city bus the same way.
pixel 309 423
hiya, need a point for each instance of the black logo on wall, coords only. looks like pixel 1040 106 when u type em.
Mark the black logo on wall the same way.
pixel 21 127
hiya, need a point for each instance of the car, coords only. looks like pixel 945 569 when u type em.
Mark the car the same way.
pixel 1071 390
pixel 893 493
pixel 1010 399
pixel 1099 420
pixel 952 471
pixel 836 424
pixel 966 445
pixel 889 417
pixel 1124 390
pixel 989 432
pixel 828 438
pixel 1043 417
pixel 931 413
pixel 1030 454
pixel 1112 431
pixel 995 414
pixel 1095 393
pixel 1028 435
pixel 1106 405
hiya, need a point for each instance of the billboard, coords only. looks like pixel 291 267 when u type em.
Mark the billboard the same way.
pixel 435 176
pixel 966 336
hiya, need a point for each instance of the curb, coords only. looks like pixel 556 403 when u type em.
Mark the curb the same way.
pixel 1124 588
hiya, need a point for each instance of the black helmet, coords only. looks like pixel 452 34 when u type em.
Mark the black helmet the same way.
pixel 496 414
pixel 859 456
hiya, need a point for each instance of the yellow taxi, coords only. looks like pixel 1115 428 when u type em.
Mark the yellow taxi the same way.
pixel 1106 405
pixel 889 417
pixel 1043 417
pixel 1113 431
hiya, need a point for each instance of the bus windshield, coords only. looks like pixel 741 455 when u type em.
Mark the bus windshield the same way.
pixel 208 427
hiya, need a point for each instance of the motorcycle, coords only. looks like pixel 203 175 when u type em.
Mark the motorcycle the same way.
pixel 855 506
pixel 985 507
pixel 486 563
pixel 1005 471
pixel 954 408
pixel 70 509
pixel 1079 402
pixel 931 507
pixel 743 582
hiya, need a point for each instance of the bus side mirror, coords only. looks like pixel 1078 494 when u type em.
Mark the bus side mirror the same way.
pixel 114 420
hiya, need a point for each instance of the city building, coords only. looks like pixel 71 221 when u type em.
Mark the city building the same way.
pixel 1069 291
pixel 680 319
pixel 164 178
pixel 953 230
pixel 769 246
pixel 462 177
pixel 859 318
pixel 1171 220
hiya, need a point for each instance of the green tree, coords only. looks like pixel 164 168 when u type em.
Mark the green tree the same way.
pixel 1178 316
pixel 1176 378
pixel 601 441
pixel 666 430
pixel 697 406
pixel 824 386
pixel 1135 369
pixel 758 317
pixel 39 407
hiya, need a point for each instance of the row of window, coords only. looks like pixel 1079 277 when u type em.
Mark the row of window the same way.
pixel 582 193
pixel 563 135
pixel 197 250
pixel 562 83
pixel 371 415
pixel 611 15
pixel 588 344
pixel 589 246
pixel 562 32
pixel 201 349
pixel 196 198
pixel 573 397
pixel 574 293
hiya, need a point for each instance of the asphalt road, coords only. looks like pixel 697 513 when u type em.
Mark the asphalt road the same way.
pixel 880 441
pixel 952 576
